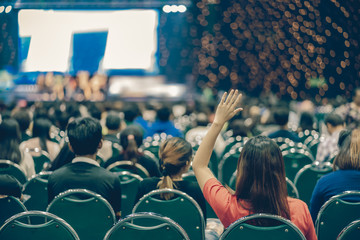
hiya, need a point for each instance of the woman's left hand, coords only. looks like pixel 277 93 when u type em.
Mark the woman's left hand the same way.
pixel 227 107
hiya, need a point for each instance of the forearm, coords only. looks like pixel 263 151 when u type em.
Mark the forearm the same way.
pixel 203 154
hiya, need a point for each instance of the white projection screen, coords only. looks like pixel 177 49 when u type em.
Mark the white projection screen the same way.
pixel 102 40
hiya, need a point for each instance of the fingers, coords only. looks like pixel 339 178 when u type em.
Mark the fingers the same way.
pixel 237 101
pixel 230 96
pixel 223 98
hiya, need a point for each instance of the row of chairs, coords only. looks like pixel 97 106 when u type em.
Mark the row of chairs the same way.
pixel 91 217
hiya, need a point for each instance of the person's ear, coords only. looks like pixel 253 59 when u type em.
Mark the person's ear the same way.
pixel 100 144
pixel 70 147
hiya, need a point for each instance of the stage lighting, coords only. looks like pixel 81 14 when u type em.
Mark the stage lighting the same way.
pixel 2 8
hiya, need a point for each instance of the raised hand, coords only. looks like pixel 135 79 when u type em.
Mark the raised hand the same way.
pixel 227 107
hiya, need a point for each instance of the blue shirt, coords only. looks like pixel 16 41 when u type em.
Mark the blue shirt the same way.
pixel 333 184
pixel 168 127
pixel 285 134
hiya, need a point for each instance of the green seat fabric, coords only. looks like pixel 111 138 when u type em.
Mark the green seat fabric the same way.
pixel 157 227
pixel 121 166
pixel 13 169
pixel 35 192
pixel 181 208
pixel 87 212
pixel 228 165
pixel 279 229
pixel 307 177
pixel 294 160
pixel 129 184
pixel 53 227
pixel 10 206
pixel 351 231
pixel 336 214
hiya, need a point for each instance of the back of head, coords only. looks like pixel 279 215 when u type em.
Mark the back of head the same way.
pixel 131 112
pixel 261 177
pixel 41 129
pixel 113 121
pixel 281 116
pixel 175 154
pixel 131 139
pixel 306 121
pixel 84 135
pixel 239 128
pixel 348 157
pixel 163 114
pixel 23 118
pixel 9 140
pixel 334 120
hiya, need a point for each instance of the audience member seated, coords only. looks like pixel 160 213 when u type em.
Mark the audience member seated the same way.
pixel 9 146
pixel 22 116
pixel 9 186
pixel 334 125
pixel 175 158
pixel 132 115
pixel 163 124
pixel 281 117
pixel 41 138
pixel 113 125
pixel 306 122
pixel 350 112
pixel 346 175
pixel 131 139
pixel 85 138
pixel 260 181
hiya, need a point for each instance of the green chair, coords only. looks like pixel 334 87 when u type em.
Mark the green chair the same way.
pixel 307 177
pixel 13 169
pixel 53 227
pixel 294 160
pixel 41 158
pixel 181 208
pixel 336 214
pixel 10 206
pixel 87 212
pixel 231 141
pixel 228 164
pixel 152 144
pixel 351 231
pixel 279 229
pixel 129 183
pixel 121 166
pixel 35 192
pixel 291 189
pixel 213 163
pixel 157 227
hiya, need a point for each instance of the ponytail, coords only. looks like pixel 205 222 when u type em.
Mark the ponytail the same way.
pixel 166 182
pixel 131 151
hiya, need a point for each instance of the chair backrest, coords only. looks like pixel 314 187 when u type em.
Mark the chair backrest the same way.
pixel 307 177
pixel 41 158
pixel 129 183
pixel 87 212
pixel 244 229
pixel 121 166
pixel 294 160
pixel 157 227
pixel 228 164
pixel 291 189
pixel 53 227
pixel 13 169
pixel 10 206
pixel 351 231
pixel 337 213
pixel 182 208
pixel 213 163
pixel 35 192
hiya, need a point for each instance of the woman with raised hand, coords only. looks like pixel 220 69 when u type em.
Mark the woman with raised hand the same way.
pixel 260 180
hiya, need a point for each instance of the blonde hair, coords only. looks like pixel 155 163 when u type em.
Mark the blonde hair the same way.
pixel 174 154
pixel 348 157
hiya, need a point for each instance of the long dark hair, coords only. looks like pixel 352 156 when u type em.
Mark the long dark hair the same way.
pixel 261 177
pixel 174 154
pixel 131 139
pixel 41 129
pixel 9 140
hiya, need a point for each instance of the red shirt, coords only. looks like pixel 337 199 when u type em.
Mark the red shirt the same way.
pixel 228 209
